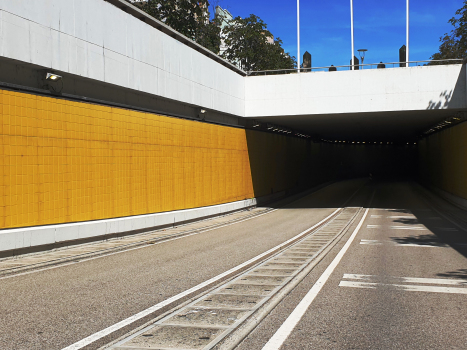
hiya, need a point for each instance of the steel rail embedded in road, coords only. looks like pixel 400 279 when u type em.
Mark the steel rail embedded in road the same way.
pixel 150 314
pixel 206 321
pixel 29 263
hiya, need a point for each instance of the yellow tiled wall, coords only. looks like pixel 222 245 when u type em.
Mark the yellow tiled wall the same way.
pixel 65 161
pixel 443 160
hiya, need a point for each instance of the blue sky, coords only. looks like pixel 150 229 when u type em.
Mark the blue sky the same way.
pixel 379 26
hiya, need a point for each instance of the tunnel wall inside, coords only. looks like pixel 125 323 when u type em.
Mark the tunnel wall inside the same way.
pixel 443 160
pixel 64 161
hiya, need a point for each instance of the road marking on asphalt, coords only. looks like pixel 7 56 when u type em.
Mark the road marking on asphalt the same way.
pixel 370 242
pixel 402 217
pixel 414 228
pixel 447 281
pixel 373 226
pixel 376 216
pixel 287 327
pixel 109 330
pixel 405 287
pixel 421 287
pixel 420 244
pixel 400 244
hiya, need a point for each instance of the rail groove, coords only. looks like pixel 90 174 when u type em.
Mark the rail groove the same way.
pixel 204 323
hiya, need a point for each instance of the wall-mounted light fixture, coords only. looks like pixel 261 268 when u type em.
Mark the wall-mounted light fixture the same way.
pixel 202 113
pixel 53 77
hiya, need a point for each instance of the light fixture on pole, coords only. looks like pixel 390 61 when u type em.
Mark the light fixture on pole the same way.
pixel 351 34
pixel 298 36
pixel 361 53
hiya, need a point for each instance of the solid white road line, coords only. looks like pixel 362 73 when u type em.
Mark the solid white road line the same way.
pixel 287 327
pixel 404 287
pixel 402 217
pixel 373 226
pixel 446 281
pixel 103 333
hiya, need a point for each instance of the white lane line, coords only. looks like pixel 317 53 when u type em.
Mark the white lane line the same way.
pixel 373 226
pixel 404 287
pixel 427 245
pixel 130 249
pixel 103 333
pixel 421 245
pixel 402 217
pixel 414 228
pixel 287 327
pixel 446 281
pixel 376 216
pixel 370 242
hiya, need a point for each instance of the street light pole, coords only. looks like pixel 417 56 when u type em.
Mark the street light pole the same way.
pixel 351 33
pixel 298 36
pixel 407 39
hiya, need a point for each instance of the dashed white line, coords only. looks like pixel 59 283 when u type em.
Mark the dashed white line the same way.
pixel 404 287
pixel 445 281
pixel 414 228
pixel 370 242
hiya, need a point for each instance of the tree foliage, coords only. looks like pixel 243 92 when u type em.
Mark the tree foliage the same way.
pixel 454 45
pixel 188 17
pixel 247 45
pixel 246 38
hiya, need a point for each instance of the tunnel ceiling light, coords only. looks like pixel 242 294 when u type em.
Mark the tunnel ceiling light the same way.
pixel 53 77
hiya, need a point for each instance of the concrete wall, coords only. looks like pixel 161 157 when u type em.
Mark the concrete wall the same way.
pixel 71 170
pixel 376 90
pixel 443 160
pixel 96 40
pixel 65 161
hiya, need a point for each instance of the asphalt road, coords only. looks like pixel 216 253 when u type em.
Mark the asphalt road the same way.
pixel 55 308
pixel 402 284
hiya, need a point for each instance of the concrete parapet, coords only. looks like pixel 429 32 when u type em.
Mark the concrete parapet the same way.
pixel 28 237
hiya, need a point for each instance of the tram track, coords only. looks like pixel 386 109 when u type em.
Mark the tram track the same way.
pixel 220 318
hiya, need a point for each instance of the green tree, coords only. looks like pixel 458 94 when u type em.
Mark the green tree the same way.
pixel 209 35
pixel 188 17
pixel 247 45
pixel 454 45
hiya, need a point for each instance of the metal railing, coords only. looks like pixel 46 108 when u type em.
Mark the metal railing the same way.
pixel 381 65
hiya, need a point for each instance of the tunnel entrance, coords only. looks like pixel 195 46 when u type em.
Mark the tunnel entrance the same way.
pixel 425 146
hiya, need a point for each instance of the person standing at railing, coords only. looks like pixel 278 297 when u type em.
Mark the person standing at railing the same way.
pixel 381 65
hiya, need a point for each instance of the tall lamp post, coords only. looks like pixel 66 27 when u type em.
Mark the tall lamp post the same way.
pixel 407 38
pixel 298 36
pixel 351 34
